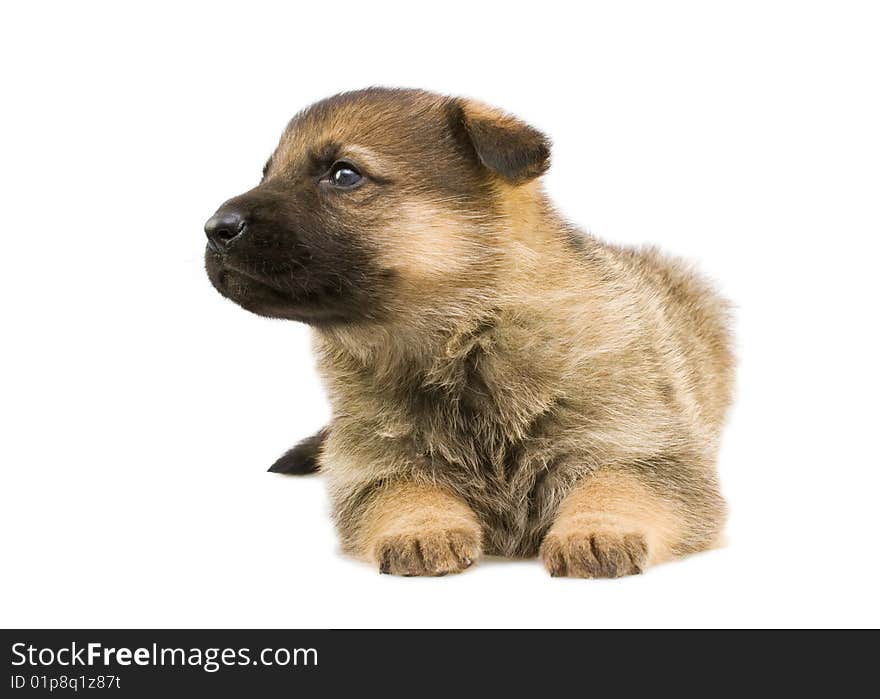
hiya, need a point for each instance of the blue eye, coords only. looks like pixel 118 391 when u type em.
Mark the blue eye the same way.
pixel 343 175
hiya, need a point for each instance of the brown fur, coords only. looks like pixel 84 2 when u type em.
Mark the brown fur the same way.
pixel 611 525
pixel 411 529
pixel 524 382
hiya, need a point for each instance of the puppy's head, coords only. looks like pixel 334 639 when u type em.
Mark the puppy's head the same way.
pixel 374 202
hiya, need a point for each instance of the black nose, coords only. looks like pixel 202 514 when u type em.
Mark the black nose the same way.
pixel 224 227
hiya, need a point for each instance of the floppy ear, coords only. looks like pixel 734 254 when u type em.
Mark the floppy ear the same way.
pixel 504 144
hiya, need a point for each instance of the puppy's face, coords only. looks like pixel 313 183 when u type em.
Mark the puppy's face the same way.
pixel 371 201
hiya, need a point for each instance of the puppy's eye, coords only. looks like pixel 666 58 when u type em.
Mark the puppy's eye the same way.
pixel 344 175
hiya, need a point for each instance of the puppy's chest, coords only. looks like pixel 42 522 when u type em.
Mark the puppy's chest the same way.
pixel 476 432
pixel 475 451
pixel 502 481
pixel 500 463
pixel 479 453
pixel 469 427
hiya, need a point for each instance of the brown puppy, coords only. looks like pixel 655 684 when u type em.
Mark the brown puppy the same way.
pixel 501 383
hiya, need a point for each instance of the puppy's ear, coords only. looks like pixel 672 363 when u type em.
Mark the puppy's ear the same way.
pixel 509 147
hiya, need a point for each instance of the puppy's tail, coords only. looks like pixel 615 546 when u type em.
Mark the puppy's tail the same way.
pixel 303 458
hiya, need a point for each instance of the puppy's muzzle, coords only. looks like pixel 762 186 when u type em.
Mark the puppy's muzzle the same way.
pixel 224 227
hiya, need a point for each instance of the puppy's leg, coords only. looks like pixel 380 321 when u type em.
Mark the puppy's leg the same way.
pixel 414 529
pixel 303 458
pixel 613 524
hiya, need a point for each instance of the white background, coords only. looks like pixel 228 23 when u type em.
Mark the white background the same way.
pixel 140 409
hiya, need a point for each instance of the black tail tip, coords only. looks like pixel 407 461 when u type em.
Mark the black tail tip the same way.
pixel 303 458
pixel 293 464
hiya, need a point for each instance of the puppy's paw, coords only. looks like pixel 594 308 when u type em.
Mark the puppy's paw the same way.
pixel 435 552
pixel 594 554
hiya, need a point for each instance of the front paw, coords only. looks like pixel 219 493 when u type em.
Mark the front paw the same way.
pixel 435 552
pixel 594 554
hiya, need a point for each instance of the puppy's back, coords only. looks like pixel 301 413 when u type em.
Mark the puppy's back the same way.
pixel 692 326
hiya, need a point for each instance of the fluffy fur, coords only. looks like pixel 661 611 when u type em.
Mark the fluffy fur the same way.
pixel 504 383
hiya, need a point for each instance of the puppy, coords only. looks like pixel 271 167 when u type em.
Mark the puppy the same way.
pixel 501 383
